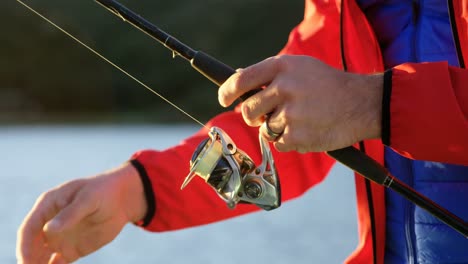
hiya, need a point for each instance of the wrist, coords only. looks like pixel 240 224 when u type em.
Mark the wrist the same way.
pixel 132 191
pixel 371 119
pixel 376 83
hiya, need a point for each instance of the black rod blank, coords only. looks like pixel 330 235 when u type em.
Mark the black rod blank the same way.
pixel 372 170
pixel 148 28
pixel 213 69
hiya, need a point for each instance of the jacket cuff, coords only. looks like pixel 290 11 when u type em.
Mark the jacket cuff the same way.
pixel 149 193
pixel 387 94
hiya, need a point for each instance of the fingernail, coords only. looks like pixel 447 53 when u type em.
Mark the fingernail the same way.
pixel 53 225
pixel 221 100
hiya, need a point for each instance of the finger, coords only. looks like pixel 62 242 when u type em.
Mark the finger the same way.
pixel 283 144
pixel 39 255
pixel 268 134
pixel 70 216
pixel 30 241
pixel 58 231
pixel 271 128
pixel 260 105
pixel 281 147
pixel 31 245
pixel 247 79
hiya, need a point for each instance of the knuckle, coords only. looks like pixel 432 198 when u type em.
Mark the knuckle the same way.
pixel 52 242
pixel 289 141
pixel 249 121
pixel 69 254
pixel 248 110
pixel 279 62
pixel 281 147
pixel 81 251
pixel 274 59
pixel 283 62
pixel 276 62
pixel 238 79
pixel 54 247
pixel 275 89
pixel 285 119
pixel 61 203
pixel 45 197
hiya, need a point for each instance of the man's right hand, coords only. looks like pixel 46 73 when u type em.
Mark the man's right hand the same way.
pixel 80 216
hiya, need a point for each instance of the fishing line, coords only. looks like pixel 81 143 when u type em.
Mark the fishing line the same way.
pixel 110 62
pixel 218 72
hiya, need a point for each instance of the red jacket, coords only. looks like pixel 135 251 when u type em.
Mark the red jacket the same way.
pixel 339 34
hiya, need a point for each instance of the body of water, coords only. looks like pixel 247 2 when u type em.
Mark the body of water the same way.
pixel 319 227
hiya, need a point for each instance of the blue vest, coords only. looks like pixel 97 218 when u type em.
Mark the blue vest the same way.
pixel 420 31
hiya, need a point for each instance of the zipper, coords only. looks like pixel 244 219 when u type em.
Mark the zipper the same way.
pixel 416 13
pixel 409 221
pixel 409 207
pixel 456 39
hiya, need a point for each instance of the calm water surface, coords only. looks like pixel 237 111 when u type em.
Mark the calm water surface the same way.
pixel 319 227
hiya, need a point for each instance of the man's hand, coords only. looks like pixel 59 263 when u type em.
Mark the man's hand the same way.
pixel 312 105
pixel 79 217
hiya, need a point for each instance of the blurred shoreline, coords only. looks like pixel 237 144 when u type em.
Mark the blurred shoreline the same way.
pixel 25 119
pixel 44 73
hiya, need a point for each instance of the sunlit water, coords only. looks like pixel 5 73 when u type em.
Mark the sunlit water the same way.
pixel 319 227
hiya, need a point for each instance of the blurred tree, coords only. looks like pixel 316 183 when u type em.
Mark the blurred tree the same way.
pixel 46 76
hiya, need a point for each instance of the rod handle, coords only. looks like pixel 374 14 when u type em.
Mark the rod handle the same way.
pixel 216 71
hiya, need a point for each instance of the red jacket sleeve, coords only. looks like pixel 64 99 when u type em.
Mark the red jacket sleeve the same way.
pixel 425 112
pixel 163 172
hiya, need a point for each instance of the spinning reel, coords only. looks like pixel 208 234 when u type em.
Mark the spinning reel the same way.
pixel 233 174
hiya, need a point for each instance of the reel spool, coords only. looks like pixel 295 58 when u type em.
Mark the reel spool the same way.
pixel 233 174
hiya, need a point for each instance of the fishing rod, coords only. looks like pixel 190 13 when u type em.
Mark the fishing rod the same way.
pixel 218 72
pixel 213 69
pixel 224 160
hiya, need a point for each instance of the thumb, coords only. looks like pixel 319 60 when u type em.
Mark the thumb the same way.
pixel 71 215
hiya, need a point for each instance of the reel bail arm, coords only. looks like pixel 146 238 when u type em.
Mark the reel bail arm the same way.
pixel 233 174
